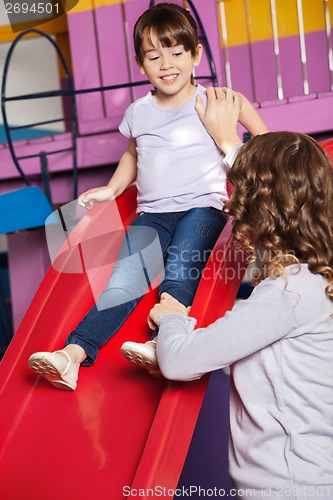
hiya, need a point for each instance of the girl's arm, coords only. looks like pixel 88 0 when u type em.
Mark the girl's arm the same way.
pixel 249 117
pixel 124 175
pixel 186 354
pixel 225 108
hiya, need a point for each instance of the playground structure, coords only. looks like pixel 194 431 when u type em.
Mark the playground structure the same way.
pixel 277 53
pixel 134 430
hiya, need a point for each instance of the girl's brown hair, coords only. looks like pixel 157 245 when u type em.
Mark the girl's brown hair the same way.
pixel 282 203
pixel 171 24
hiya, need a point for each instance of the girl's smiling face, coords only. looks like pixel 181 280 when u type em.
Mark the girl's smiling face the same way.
pixel 169 69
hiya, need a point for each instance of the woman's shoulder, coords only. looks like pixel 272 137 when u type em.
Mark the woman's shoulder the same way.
pixel 300 276
pixel 296 282
pixel 301 288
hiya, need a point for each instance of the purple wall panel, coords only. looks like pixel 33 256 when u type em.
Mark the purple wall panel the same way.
pixel 291 67
pixel 207 12
pixel 317 61
pixel 240 69
pixel 309 116
pixel 264 72
pixel 81 28
pixel 92 150
pixel 133 11
pixel 260 55
pixel 113 60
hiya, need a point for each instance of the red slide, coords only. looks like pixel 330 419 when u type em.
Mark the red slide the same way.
pixel 122 432
pixel 327 144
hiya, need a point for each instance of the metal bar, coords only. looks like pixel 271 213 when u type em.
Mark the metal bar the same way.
pixel 225 44
pixel 29 125
pixel 303 47
pixel 249 36
pixel 45 152
pixel 62 93
pixel 45 176
pixel 276 50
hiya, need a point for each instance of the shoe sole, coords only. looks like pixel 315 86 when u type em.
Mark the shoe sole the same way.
pixel 44 367
pixel 141 359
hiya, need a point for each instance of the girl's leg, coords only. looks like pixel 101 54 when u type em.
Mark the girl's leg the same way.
pixel 139 261
pixel 194 237
pixel 189 251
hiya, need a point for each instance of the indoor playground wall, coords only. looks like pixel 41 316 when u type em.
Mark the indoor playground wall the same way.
pixel 34 68
pixel 277 49
pixel 274 51
pixel 277 52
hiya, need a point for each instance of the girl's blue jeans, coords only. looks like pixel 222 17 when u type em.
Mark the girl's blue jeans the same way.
pixel 185 240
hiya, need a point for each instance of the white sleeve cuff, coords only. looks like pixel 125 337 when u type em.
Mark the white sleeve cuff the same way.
pixel 231 156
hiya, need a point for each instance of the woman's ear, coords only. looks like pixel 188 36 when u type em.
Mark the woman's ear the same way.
pixel 140 66
pixel 198 54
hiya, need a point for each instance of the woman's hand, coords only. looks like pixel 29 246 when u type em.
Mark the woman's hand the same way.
pixel 220 118
pixel 166 305
pixel 96 195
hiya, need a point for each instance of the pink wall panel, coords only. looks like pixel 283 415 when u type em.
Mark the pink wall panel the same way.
pixel 317 61
pixel 241 70
pixel 258 60
pixel 113 57
pixel 132 11
pixel 291 67
pixel 92 150
pixel 308 116
pixel 207 12
pixel 264 72
pixel 85 62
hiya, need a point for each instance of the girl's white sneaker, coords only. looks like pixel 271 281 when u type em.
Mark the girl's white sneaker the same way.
pixel 62 373
pixel 143 355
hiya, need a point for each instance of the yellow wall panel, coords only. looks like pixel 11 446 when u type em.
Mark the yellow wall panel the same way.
pixel 103 3
pixel 251 20
pixel 260 20
pixel 81 6
pixel 287 18
pixel 313 15
pixel 247 20
pixel 91 4
pixel 235 16
pixel 58 25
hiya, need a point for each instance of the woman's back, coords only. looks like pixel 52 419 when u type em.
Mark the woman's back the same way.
pixel 282 395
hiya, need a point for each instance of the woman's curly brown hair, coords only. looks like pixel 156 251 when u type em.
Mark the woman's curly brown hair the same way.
pixel 282 203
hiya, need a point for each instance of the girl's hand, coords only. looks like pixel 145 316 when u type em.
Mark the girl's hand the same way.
pixel 220 118
pixel 166 305
pixel 96 195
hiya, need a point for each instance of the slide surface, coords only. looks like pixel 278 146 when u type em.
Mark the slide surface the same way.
pixel 327 144
pixel 121 428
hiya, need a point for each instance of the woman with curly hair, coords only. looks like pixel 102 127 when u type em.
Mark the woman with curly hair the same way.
pixel 279 342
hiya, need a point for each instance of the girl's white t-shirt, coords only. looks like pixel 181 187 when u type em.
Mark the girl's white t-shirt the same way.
pixel 179 165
